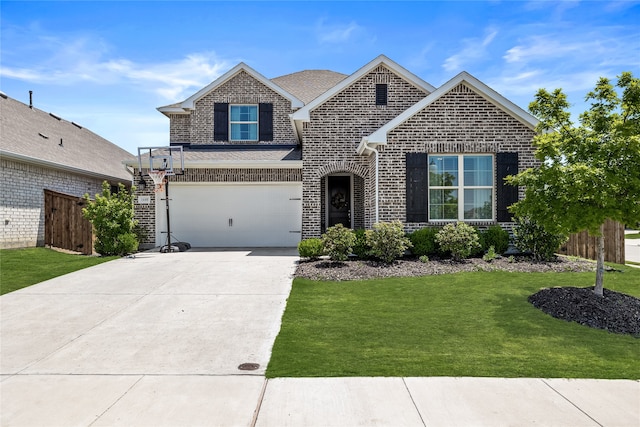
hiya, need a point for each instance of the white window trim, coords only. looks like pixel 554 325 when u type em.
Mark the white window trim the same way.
pixel 231 122
pixel 461 187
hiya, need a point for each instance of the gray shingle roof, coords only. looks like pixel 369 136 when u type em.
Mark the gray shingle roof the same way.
pixel 35 136
pixel 309 84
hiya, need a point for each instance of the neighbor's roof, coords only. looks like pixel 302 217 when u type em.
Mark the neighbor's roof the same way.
pixel 309 84
pixel 34 136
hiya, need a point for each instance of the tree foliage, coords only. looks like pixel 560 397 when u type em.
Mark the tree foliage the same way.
pixel 112 219
pixel 589 172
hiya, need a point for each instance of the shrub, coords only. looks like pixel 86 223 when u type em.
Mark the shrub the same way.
pixel 461 239
pixel 424 241
pixel 387 241
pixel 530 236
pixel 112 218
pixel 495 236
pixel 338 242
pixel 361 247
pixel 311 248
pixel 490 255
pixel 424 259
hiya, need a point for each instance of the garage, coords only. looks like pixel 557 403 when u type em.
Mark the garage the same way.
pixel 232 215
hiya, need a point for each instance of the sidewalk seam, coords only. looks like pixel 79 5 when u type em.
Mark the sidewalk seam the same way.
pixel 413 401
pixel 116 401
pixel 256 411
pixel 573 404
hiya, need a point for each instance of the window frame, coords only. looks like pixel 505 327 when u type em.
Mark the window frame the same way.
pixel 256 123
pixel 461 187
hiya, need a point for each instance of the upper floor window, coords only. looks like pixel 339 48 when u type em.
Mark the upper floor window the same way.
pixel 243 122
pixel 381 94
pixel 460 187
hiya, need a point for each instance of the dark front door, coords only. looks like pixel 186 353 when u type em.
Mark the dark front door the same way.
pixel 339 200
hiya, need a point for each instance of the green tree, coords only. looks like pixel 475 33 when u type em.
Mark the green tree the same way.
pixel 112 219
pixel 589 172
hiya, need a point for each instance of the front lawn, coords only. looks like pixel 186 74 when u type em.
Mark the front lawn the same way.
pixel 20 268
pixel 477 324
pixel 632 236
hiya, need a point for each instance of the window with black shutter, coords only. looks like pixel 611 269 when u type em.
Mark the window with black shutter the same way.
pixel 266 122
pixel 220 121
pixel 381 94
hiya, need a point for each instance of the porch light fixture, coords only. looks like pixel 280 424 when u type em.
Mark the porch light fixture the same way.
pixel 142 184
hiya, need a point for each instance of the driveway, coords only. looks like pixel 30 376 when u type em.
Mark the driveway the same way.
pixel 137 332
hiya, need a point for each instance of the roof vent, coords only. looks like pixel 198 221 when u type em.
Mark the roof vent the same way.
pixel 43 135
pixel 76 125
pixel 54 116
pixel 3 95
pixel 31 99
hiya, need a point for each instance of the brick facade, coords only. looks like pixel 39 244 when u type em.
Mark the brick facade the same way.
pixel 460 121
pixel 332 135
pixel 197 126
pixel 22 199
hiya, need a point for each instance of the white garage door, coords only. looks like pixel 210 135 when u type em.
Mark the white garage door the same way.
pixel 232 215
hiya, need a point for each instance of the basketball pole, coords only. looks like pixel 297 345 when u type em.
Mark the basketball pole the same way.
pixel 166 202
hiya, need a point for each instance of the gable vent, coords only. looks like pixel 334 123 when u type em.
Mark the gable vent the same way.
pixel 381 94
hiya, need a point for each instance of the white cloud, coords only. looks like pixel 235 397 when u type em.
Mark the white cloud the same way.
pixel 474 49
pixel 73 61
pixel 337 33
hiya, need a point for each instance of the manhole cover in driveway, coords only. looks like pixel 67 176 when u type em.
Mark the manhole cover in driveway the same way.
pixel 248 366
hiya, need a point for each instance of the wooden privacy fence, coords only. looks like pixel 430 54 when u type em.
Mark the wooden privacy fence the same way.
pixel 64 225
pixel 585 246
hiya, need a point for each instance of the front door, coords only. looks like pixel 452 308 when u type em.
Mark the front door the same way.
pixel 339 200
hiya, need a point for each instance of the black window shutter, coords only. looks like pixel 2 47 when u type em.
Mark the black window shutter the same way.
pixel 506 164
pixel 417 202
pixel 381 94
pixel 265 122
pixel 220 121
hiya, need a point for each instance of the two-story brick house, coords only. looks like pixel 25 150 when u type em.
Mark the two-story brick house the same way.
pixel 268 162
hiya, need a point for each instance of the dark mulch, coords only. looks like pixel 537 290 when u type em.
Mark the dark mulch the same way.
pixel 614 312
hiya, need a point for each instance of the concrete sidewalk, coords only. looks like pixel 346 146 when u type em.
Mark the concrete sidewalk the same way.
pixel 157 340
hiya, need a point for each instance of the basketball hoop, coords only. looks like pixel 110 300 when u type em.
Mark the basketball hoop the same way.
pixel 158 179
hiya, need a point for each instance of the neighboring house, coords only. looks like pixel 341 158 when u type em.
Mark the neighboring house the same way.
pixel 40 151
pixel 268 162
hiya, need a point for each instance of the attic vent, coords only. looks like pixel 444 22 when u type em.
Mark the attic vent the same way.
pixel 381 94
pixel 76 125
pixel 54 116
pixel 43 135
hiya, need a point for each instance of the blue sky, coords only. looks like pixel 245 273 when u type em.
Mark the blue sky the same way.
pixel 109 65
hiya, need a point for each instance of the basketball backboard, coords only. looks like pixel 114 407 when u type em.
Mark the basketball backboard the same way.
pixel 167 159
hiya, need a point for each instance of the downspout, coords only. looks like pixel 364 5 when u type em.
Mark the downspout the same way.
pixel 362 148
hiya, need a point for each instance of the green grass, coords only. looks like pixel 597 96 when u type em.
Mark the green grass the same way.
pixel 468 324
pixel 632 236
pixel 20 268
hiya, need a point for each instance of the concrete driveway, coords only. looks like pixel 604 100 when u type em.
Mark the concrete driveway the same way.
pixel 137 333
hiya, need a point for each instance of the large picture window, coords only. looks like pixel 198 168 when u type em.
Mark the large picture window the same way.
pixel 460 187
pixel 243 122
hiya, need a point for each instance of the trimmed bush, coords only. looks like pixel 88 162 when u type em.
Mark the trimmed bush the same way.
pixel 361 247
pixel 112 218
pixel 424 241
pixel 530 236
pixel 461 239
pixel 387 241
pixel 338 242
pixel 312 248
pixel 495 236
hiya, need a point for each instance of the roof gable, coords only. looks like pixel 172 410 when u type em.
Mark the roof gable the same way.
pixel 34 136
pixel 380 136
pixel 189 103
pixel 309 84
pixel 302 115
